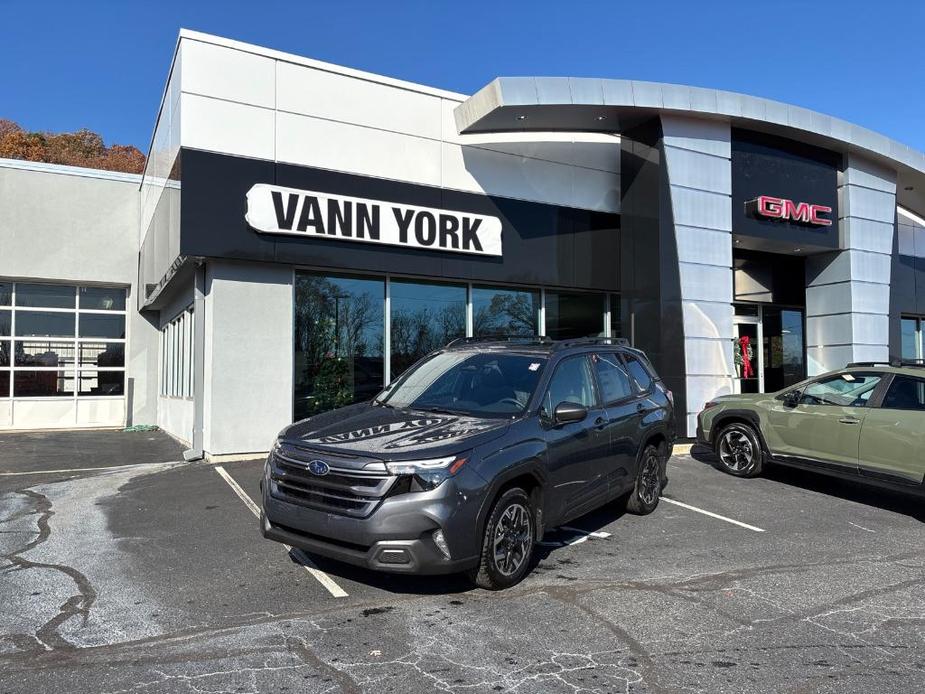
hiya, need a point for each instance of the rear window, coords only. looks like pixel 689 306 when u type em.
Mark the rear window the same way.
pixel 639 372
pixel 905 393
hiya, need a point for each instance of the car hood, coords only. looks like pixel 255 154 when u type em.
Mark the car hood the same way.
pixel 742 398
pixel 393 434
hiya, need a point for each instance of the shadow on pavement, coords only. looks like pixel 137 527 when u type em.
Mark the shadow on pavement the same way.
pixel 554 540
pixel 858 492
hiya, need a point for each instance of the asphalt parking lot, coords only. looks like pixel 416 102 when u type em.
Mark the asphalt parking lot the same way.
pixel 150 575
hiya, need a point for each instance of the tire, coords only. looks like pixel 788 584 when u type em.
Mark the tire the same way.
pixel 738 450
pixel 508 542
pixel 650 479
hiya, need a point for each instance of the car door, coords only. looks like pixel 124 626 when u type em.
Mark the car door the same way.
pixel 576 451
pixel 825 425
pixel 893 434
pixel 621 398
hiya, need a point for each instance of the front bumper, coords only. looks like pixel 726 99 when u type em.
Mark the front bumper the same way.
pixel 396 537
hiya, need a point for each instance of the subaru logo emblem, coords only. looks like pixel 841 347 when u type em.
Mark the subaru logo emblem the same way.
pixel 319 467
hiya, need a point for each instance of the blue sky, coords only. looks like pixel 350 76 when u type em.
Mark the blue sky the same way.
pixel 102 64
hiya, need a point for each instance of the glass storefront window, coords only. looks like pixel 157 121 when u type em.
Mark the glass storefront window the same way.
pixel 98 383
pixel 913 338
pixel 339 329
pixel 425 317
pixel 616 316
pixel 6 322
pixel 40 353
pixel 497 311
pixel 102 354
pixel 102 299
pixel 6 294
pixel 99 325
pixel 570 315
pixel 4 353
pixel 43 384
pixel 4 384
pixel 46 295
pixel 44 324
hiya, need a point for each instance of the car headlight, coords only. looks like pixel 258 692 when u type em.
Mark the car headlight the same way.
pixel 427 474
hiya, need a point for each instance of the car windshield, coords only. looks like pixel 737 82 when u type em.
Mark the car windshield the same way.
pixel 469 383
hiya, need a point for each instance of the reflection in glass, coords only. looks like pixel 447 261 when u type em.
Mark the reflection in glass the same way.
pixel 102 299
pixel 6 293
pixel 41 353
pixel 570 315
pixel 102 383
pixel 784 348
pixel 4 353
pixel 43 384
pixel 45 295
pixel 910 338
pixel 424 317
pixel 4 384
pixel 6 322
pixel 505 312
pixel 102 354
pixel 97 325
pixel 44 324
pixel 338 342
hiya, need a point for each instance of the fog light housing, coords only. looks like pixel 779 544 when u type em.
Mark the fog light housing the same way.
pixel 440 541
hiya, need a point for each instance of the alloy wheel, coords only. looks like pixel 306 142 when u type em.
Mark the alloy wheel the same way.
pixel 513 538
pixel 736 451
pixel 650 480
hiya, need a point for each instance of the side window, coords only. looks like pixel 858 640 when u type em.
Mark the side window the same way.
pixel 612 377
pixel 843 390
pixel 639 372
pixel 572 382
pixel 905 393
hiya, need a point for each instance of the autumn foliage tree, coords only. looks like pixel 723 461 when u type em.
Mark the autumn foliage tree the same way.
pixel 82 148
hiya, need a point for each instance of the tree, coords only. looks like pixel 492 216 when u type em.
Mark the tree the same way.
pixel 81 148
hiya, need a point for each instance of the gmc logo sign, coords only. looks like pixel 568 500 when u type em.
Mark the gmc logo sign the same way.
pixel 781 208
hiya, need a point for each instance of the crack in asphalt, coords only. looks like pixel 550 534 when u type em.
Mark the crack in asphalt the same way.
pixel 78 604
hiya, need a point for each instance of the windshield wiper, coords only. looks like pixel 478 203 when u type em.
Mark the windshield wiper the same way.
pixel 441 410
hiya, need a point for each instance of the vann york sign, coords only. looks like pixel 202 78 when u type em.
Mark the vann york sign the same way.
pixel 288 211
pixel 781 208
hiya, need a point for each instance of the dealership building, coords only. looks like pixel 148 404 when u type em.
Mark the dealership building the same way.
pixel 303 232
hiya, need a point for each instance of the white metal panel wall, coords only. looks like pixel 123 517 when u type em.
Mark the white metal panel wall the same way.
pixel 848 292
pixel 698 160
pixel 245 103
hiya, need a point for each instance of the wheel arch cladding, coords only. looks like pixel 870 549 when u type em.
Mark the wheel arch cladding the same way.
pixel 526 478
pixel 750 419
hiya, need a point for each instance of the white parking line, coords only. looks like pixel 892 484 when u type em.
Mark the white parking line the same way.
pixel 307 564
pixel 713 515
pixel 89 469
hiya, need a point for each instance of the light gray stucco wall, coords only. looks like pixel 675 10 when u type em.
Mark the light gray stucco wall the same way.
pixel 848 292
pixel 77 225
pixel 698 161
pixel 248 366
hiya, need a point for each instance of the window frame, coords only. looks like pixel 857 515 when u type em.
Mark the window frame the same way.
pixel 541 408
pixel 74 341
pixel 634 391
pixel 886 390
pixel 873 402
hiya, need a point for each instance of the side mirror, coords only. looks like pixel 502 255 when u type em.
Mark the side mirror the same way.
pixel 567 412
pixel 792 399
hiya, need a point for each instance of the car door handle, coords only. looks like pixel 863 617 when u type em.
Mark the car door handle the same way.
pixel 599 423
pixel 849 420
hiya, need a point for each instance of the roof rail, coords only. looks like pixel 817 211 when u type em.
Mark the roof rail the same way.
pixel 895 363
pixel 523 339
pixel 582 341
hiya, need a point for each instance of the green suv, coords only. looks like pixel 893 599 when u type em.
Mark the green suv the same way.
pixel 865 422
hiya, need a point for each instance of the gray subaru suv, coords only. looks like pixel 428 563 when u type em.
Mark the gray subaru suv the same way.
pixel 462 462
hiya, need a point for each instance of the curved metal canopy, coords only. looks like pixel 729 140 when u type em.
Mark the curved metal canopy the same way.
pixel 536 104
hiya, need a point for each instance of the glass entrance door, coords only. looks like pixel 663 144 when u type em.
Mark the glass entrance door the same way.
pixel 769 348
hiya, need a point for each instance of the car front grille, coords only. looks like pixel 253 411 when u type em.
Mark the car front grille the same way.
pixel 347 489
